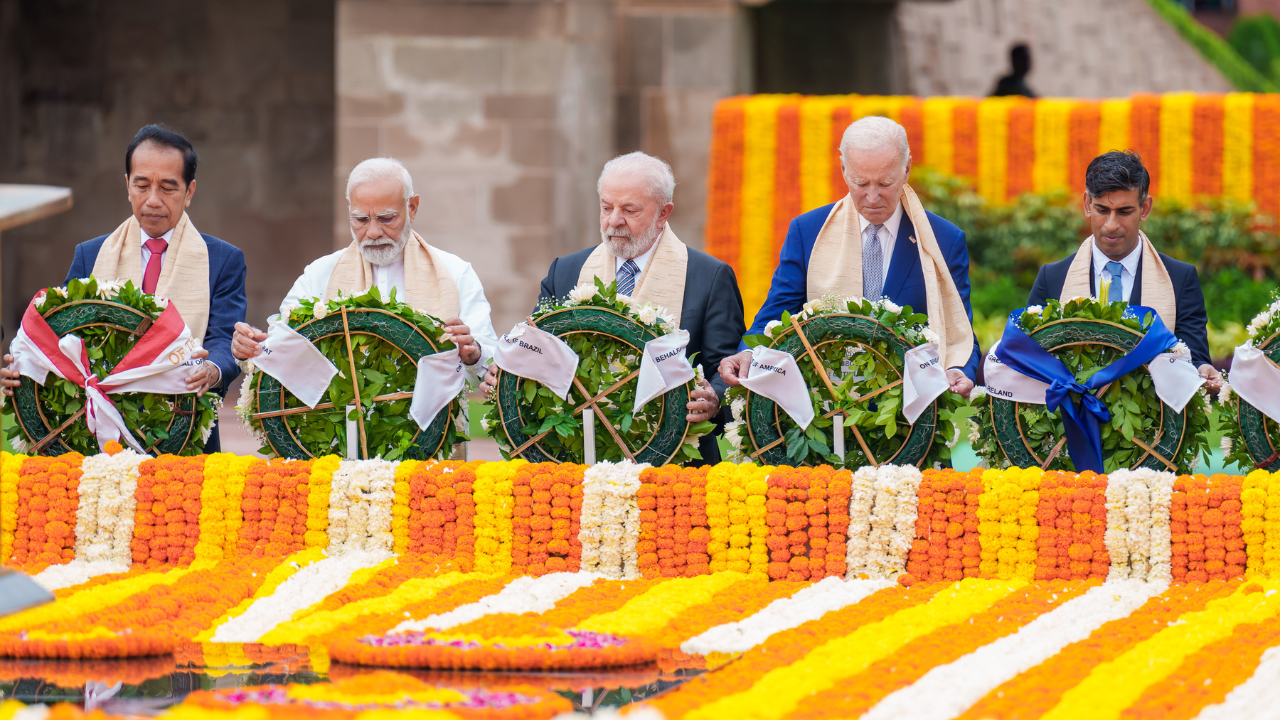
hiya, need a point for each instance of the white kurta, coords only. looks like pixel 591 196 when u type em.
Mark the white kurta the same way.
pixel 474 307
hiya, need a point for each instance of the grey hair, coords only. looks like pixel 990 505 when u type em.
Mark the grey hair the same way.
pixel 662 182
pixel 874 133
pixel 379 168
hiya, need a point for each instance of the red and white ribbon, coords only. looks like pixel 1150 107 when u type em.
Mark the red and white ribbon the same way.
pixel 158 363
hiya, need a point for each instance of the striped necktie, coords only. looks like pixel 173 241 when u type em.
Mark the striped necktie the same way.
pixel 627 277
pixel 872 263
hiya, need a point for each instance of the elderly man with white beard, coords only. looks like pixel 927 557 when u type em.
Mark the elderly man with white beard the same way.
pixel 639 250
pixel 386 253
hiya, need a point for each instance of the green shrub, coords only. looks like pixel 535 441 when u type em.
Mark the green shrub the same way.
pixel 1234 68
pixel 1257 39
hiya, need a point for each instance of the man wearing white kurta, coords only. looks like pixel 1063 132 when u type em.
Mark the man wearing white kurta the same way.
pixel 386 253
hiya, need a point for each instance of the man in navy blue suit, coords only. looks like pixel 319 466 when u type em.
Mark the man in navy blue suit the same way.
pixel 823 246
pixel 1116 201
pixel 161 251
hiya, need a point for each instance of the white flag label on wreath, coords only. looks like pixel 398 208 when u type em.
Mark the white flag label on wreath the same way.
pixel 1256 380
pixel 440 379
pixel 775 375
pixel 538 355
pixel 924 380
pixel 1175 378
pixel 663 366
pixel 296 362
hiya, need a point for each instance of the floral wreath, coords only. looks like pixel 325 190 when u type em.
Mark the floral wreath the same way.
pixel 1250 438
pixel 859 344
pixel 386 338
pixel 608 332
pixel 1087 335
pixel 109 317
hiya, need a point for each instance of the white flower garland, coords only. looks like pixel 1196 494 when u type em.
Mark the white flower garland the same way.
pixel 810 603
pixel 1254 698
pixel 882 518
pixel 303 589
pixel 1138 538
pixel 104 520
pixel 948 690
pixel 610 526
pixel 360 503
pixel 523 595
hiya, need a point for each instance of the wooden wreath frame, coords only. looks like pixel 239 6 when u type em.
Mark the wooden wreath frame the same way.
pixel 271 403
pixel 1253 424
pixel 1006 421
pixel 762 418
pixel 66 319
pixel 658 449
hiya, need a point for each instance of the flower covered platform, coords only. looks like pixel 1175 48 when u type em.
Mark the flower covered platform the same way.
pixel 229 587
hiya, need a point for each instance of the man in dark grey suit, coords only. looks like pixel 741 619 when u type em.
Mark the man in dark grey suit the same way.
pixel 641 252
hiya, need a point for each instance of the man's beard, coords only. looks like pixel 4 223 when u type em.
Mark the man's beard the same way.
pixel 624 245
pixel 384 251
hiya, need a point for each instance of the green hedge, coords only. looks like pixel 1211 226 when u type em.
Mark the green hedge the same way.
pixel 1214 49
pixel 1256 38
pixel 1236 250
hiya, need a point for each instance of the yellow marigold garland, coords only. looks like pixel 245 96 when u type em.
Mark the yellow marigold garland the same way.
pixel 237 469
pixel 318 501
pixel 214 506
pixel 10 465
pixel 1253 502
pixel 1007 526
pixel 400 510
pixel 655 608
pixel 495 505
pixel 275 578
pixel 95 598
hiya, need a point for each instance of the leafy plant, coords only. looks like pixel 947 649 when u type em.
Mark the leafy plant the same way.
pixel 1257 39
pixel 1214 49
pixel 147 415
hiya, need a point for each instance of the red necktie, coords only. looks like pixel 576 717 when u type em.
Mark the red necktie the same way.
pixel 151 277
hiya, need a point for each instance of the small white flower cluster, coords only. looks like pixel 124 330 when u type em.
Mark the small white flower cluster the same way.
pixel 360 503
pixel 523 595
pixel 108 288
pixel 826 305
pixel 882 520
pixel 245 406
pixel 1138 537
pixel 1263 319
pixel 610 526
pixel 1224 395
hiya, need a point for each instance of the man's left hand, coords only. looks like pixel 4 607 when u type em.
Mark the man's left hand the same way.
pixel 1212 378
pixel 960 384
pixel 460 335
pixel 703 403
pixel 205 377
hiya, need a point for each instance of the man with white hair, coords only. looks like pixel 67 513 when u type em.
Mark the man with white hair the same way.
pixel 386 253
pixel 877 242
pixel 639 249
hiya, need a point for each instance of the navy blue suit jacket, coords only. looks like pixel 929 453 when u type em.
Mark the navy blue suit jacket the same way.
pixel 227 304
pixel 1189 298
pixel 904 282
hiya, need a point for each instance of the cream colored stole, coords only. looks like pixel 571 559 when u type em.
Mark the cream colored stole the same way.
pixel 661 283
pixel 429 287
pixel 835 268
pixel 1157 288
pixel 184 277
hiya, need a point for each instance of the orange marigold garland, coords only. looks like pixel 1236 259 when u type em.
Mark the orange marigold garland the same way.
pixel 797 521
pixel 548 501
pixel 48 496
pixel 1072 514
pixel 275 506
pixel 839 489
pixel 167 519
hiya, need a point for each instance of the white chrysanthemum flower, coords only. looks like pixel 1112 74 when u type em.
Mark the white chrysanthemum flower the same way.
pixel 811 307
pixel 1178 347
pixel 977 392
pixel 733 434
pixel 975 432
pixel 648 314
pixel 931 336
pixel 1224 395
pixel 1035 309
pixel 892 307
pixel 1260 321
pixel 771 326
pixel 626 300
pixel 320 310
pixel 1225 445
pixel 738 407
pixel 954 440
pixel 583 293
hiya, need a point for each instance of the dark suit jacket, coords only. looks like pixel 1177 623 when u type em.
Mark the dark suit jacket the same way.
pixel 227 304
pixel 904 282
pixel 1192 318
pixel 712 313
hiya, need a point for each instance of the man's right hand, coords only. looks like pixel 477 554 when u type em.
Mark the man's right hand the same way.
pixel 9 379
pixel 734 368
pixel 490 383
pixel 244 344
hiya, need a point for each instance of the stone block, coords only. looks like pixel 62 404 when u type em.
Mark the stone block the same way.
pixel 702 52
pixel 460 18
pixel 534 144
pixel 358 71
pixel 447 202
pixel 438 108
pixel 483 140
pixel 376 107
pixel 355 143
pixel 473 66
pixel 520 107
pixel 628 135
pixel 641 53
pixel 535 66
pixel 531 252
pixel 399 142
pixel 527 201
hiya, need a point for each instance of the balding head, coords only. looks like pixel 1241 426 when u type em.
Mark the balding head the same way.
pixel 635 201
pixel 875 160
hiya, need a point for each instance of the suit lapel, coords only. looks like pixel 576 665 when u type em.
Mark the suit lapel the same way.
pixel 905 258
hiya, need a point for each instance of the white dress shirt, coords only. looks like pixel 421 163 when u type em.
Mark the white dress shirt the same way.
pixel 888 237
pixel 640 260
pixel 1130 263
pixel 472 304
pixel 146 254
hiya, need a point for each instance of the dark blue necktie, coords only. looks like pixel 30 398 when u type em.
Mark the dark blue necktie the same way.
pixel 627 277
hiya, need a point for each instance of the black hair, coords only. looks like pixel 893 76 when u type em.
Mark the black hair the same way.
pixel 168 138
pixel 1020 59
pixel 1112 171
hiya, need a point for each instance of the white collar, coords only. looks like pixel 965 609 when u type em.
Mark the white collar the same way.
pixel 166 237
pixel 1130 261
pixel 892 224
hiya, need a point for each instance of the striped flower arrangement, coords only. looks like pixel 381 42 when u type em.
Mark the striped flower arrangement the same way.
pixel 774 157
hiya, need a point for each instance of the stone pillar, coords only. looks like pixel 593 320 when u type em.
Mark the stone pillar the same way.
pixel 502 111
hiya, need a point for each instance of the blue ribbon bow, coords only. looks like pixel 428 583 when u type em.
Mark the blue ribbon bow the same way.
pixel 1082 418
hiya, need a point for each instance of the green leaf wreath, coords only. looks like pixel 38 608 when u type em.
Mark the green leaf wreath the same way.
pixel 149 416
pixel 858 369
pixel 603 360
pixel 1249 437
pixel 382 369
pixel 1136 410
